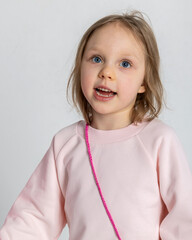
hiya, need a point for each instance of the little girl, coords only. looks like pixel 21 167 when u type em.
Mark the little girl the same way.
pixel 121 173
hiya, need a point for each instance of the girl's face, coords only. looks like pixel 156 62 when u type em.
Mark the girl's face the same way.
pixel 113 59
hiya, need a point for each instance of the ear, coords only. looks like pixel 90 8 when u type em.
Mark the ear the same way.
pixel 141 89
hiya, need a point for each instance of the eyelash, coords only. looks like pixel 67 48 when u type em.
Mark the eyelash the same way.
pixel 125 60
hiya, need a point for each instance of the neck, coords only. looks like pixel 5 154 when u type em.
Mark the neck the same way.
pixel 108 122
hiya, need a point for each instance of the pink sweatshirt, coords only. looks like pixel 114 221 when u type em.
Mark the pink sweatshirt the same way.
pixel 143 174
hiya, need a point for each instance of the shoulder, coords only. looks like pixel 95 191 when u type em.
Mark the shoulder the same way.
pixel 65 135
pixel 157 131
pixel 159 137
pixel 158 128
pixel 66 132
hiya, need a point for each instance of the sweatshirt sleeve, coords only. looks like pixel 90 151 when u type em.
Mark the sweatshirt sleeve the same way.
pixel 38 212
pixel 175 181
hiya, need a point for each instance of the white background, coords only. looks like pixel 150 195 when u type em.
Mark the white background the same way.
pixel 38 42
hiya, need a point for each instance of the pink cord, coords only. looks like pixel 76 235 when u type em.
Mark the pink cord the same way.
pixel 104 203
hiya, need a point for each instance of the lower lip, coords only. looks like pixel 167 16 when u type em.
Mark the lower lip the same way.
pixel 100 98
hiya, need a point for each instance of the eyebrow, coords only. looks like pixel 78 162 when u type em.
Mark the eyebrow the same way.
pixel 124 54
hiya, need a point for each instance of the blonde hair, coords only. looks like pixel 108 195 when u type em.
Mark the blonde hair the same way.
pixel 147 103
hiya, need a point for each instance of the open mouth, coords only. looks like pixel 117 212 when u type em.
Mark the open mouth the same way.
pixel 105 93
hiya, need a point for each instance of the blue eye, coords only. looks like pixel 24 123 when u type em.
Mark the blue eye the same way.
pixel 96 59
pixel 125 64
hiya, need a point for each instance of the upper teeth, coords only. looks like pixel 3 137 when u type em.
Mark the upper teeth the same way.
pixel 104 89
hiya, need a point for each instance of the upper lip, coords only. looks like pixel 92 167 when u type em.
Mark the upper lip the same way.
pixel 105 87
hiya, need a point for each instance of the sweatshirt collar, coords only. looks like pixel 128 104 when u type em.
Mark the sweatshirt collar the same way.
pixel 97 136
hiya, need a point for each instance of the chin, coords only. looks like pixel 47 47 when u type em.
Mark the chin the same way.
pixel 101 111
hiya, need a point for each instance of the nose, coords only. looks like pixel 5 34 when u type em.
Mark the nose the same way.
pixel 107 72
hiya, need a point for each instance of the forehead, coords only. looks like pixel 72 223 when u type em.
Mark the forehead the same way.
pixel 114 36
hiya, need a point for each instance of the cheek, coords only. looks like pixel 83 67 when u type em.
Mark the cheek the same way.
pixel 129 85
pixel 127 90
pixel 127 93
pixel 83 84
pixel 87 73
pixel 86 83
